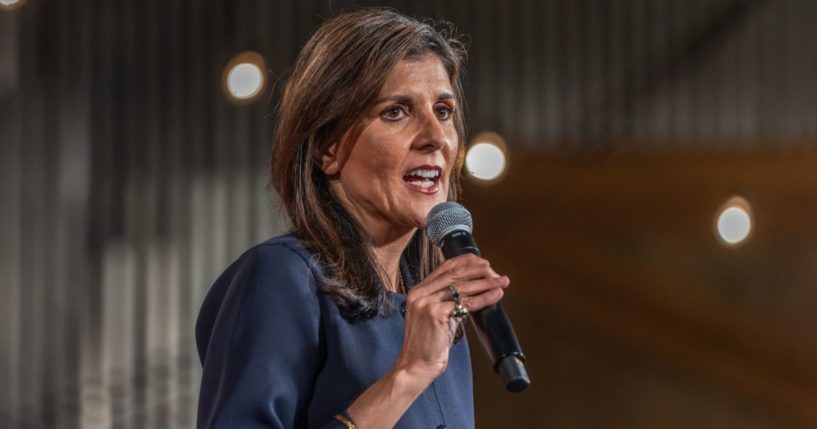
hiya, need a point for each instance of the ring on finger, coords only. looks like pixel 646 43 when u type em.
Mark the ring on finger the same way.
pixel 459 312
pixel 454 293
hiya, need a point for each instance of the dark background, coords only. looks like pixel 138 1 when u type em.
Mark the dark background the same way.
pixel 129 182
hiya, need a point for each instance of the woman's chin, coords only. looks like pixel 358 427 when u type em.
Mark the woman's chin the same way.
pixel 422 215
pixel 417 211
pixel 415 220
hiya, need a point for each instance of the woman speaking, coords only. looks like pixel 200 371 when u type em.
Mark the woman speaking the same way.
pixel 353 319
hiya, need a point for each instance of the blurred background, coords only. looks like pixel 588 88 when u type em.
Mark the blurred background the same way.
pixel 645 171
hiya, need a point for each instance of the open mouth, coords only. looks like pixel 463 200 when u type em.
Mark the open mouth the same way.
pixel 424 179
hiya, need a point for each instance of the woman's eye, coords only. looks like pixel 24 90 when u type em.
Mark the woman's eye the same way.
pixel 394 113
pixel 444 112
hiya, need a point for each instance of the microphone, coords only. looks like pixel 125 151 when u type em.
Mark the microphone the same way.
pixel 449 226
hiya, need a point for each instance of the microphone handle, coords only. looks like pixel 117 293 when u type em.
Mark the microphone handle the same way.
pixel 492 325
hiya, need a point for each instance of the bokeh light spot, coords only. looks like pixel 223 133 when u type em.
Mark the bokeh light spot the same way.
pixel 11 4
pixel 244 80
pixel 487 158
pixel 734 221
pixel 485 161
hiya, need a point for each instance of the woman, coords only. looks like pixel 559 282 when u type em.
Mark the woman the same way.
pixel 305 330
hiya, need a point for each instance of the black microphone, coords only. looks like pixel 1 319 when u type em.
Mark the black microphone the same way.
pixel 449 226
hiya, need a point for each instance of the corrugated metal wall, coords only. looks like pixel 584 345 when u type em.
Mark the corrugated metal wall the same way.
pixel 562 73
pixel 132 184
pixel 129 182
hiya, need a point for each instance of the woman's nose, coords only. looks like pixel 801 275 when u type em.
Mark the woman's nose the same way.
pixel 432 135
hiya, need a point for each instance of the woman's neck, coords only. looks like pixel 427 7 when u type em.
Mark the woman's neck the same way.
pixel 387 252
pixel 387 241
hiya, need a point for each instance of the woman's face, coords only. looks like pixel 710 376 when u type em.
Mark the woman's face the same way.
pixel 400 164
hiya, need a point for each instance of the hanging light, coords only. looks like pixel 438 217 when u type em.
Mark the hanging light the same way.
pixel 734 223
pixel 11 4
pixel 244 78
pixel 486 159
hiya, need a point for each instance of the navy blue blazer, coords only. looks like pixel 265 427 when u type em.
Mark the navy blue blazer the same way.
pixel 276 353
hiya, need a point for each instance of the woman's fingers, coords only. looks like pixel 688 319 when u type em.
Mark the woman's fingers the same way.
pixel 478 302
pixel 475 287
pixel 462 266
pixel 468 288
pixel 453 271
pixel 468 268
pixel 475 295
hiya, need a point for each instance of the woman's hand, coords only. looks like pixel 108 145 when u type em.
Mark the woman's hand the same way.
pixel 430 330
pixel 428 336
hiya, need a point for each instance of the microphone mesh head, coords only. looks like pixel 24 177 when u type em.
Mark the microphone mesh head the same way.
pixel 445 218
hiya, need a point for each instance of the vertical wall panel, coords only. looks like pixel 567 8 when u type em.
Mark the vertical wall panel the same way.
pixel 160 291
pixel 11 166
pixel 72 125
pixel 35 213
pixel 95 402
pixel 548 108
pixel 110 400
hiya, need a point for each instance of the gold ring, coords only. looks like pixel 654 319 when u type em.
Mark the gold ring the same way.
pixel 459 312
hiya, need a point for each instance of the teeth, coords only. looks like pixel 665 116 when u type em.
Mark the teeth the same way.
pixel 422 183
pixel 430 174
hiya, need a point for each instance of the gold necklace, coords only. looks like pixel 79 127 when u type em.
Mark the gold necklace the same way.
pixel 402 283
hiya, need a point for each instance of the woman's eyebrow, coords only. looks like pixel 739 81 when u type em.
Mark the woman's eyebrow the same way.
pixel 395 98
pixel 408 99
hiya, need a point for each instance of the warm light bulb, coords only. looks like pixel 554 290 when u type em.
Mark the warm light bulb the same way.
pixel 734 221
pixel 244 80
pixel 10 4
pixel 487 158
pixel 485 161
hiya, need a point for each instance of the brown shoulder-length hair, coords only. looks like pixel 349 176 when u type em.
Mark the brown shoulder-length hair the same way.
pixel 337 76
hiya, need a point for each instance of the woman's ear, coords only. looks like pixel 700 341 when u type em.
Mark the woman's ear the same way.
pixel 334 157
pixel 330 163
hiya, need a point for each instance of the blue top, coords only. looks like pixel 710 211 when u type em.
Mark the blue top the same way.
pixel 277 353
